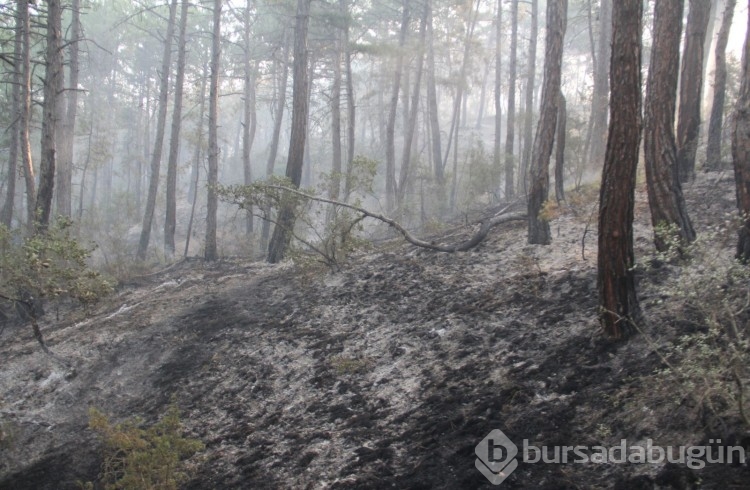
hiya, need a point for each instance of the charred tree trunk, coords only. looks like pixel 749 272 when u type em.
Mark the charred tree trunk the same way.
pixel 539 232
pixel 664 190
pixel 153 185
pixel 619 310
pixel 510 126
pixel 529 104
pixel 212 202
pixel 716 121
pixel 51 112
pixel 562 129
pixel 691 86
pixel 282 232
pixel 741 151
pixel 64 177
pixel 170 220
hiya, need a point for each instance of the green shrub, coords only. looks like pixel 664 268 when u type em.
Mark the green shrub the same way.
pixel 137 458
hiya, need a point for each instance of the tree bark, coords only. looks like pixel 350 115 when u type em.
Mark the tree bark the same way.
pixel 212 202
pixel 335 188
pixel 64 177
pixel 539 232
pixel 691 86
pixel 153 186
pixel 741 151
pixel 282 232
pixel 562 128
pixel 510 126
pixel 618 303
pixel 249 112
pixel 350 105
pixel 664 190
pixel 600 98
pixel 25 115
pixel 50 114
pixel 170 220
pixel 529 104
pixel 432 106
pixel 716 121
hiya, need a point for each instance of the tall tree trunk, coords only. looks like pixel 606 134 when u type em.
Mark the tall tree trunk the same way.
pixel 539 232
pixel 212 202
pixel 716 121
pixel 413 113
pixel 350 105
pixel 197 154
pixel 741 150
pixel 562 125
pixel 664 190
pixel 390 144
pixel 432 105
pixel 497 140
pixel 249 114
pixel 282 233
pixel 691 86
pixel 153 186
pixel 24 118
pixel 510 127
pixel 50 114
pixel 64 177
pixel 170 220
pixel 6 215
pixel 277 121
pixel 618 303
pixel 529 104
pixel 600 96
pixel 335 188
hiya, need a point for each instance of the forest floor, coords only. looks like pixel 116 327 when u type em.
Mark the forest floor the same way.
pixel 387 374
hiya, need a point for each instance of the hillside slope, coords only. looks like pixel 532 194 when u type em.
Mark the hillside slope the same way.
pixel 387 374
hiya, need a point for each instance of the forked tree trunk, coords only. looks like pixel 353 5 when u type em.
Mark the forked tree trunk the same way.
pixel 539 232
pixel 716 121
pixel 51 112
pixel 282 233
pixel 691 86
pixel 170 221
pixel 64 177
pixel 619 310
pixel 741 151
pixel 664 190
pixel 153 186
pixel 212 202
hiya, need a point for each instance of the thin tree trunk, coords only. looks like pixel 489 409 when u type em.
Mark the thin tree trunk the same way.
pixel 600 97
pixel 529 105
pixel 562 125
pixel 212 203
pixel 497 139
pixel 350 106
pixel 741 150
pixel 282 232
pixel 25 115
pixel 249 113
pixel 170 220
pixel 432 104
pixel 51 113
pixel 539 231
pixel 335 188
pixel 664 190
pixel 64 177
pixel 197 153
pixel 153 186
pixel 691 86
pixel 6 215
pixel 618 303
pixel 716 121
pixel 390 144
pixel 510 127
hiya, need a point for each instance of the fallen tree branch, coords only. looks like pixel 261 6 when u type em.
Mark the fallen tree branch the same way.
pixel 487 225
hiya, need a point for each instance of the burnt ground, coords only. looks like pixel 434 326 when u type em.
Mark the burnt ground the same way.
pixel 385 375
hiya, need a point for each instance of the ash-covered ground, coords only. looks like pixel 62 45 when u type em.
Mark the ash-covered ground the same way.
pixel 384 375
